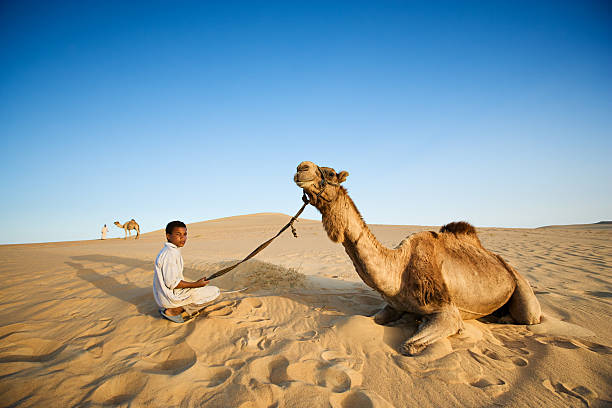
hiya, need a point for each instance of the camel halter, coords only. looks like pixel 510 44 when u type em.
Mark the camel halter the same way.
pixel 322 184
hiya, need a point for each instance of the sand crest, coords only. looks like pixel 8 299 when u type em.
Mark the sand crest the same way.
pixel 80 326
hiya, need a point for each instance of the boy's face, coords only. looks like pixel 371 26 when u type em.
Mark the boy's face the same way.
pixel 178 236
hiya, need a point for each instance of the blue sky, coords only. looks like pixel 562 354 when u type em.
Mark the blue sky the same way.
pixel 499 113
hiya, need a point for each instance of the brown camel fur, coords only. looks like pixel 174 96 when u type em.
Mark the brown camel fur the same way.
pixel 128 226
pixel 442 276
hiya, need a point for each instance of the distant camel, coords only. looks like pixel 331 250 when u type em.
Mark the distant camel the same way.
pixel 128 226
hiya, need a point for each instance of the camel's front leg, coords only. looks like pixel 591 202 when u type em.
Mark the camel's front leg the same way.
pixel 437 326
pixel 387 315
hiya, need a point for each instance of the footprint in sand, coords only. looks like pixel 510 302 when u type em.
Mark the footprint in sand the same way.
pixel 303 395
pixel 579 392
pixel 250 310
pixel 170 360
pixel 594 347
pixel 308 335
pixel 491 354
pixel 519 362
pixel 235 364
pixel 486 382
pixel 334 371
pixel 333 356
pixel 337 378
pixel 119 389
pixel 305 371
pixel 224 308
pixel 247 305
pixel 516 360
pixel 255 339
pixel 518 346
pixel 505 360
pixel 493 386
pixel 358 399
pixel 266 395
pixel 96 348
pixel 264 343
pixel 272 368
pixel 558 342
pixel 573 344
pixel 340 358
pixel 212 377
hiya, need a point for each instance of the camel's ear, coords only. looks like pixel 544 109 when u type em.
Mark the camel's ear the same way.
pixel 342 176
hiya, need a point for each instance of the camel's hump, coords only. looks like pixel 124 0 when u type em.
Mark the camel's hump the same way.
pixel 460 227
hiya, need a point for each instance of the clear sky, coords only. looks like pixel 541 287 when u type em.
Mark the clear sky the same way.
pixel 498 113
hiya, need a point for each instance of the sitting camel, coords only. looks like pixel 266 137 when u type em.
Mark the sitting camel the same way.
pixel 442 276
pixel 128 226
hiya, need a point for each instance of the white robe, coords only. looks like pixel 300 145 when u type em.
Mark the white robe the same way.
pixel 168 274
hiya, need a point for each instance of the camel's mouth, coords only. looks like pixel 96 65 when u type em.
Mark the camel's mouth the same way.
pixel 304 180
pixel 305 184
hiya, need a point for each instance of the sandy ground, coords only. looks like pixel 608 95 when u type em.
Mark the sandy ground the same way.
pixel 80 327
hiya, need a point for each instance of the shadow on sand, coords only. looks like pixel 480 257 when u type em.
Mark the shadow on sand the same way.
pixel 331 294
pixel 141 297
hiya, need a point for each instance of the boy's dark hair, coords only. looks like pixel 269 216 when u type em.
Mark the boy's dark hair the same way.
pixel 174 224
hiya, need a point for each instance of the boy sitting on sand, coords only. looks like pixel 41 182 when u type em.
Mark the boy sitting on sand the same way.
pixel 177 298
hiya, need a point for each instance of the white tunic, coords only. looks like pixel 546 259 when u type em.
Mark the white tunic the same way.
pixel 168 274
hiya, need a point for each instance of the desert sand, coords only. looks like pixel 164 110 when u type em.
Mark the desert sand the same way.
pixel 79 326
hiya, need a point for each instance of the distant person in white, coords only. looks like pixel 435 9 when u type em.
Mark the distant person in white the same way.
pixel 104 231
pixel 176 297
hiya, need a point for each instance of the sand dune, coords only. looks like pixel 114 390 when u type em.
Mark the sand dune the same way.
pixel 80 326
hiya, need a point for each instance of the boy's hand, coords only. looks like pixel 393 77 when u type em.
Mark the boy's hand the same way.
pixel 203 281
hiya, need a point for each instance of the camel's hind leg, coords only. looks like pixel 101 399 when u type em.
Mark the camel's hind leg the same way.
pixel 387 315
pixel 437 326
pixel 524 306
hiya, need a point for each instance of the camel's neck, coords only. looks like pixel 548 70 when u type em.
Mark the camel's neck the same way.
pixel 376 264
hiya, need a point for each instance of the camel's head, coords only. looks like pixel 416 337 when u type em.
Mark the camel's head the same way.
pixel 321 184
pixel 117 223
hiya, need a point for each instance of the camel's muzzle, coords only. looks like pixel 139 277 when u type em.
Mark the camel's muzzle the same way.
pixel 303 180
